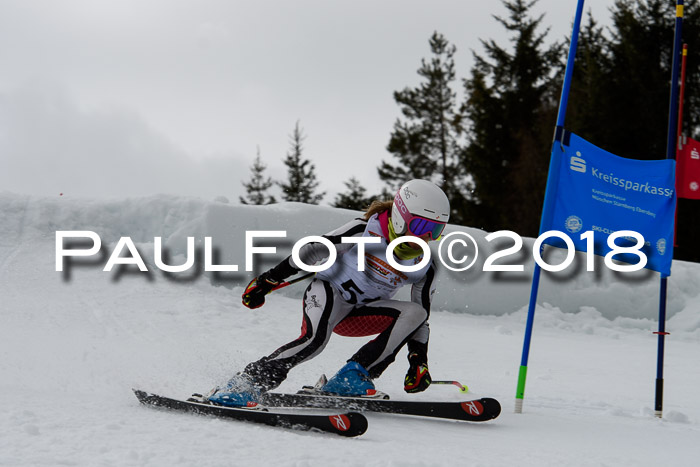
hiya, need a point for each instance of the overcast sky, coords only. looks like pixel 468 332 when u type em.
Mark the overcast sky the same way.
pixel 133 97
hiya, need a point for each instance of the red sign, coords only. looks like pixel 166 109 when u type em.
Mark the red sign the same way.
pixel 688 170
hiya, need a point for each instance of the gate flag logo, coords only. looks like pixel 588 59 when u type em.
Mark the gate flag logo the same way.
pixel 688 170
pixel 592 189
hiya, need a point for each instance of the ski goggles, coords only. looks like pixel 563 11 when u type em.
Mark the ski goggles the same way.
pixel 419 226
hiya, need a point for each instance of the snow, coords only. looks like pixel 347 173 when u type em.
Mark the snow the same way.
pixel 73 344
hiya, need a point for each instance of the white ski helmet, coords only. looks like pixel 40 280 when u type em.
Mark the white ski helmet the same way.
pixel 420 207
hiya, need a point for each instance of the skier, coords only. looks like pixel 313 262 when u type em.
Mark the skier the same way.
pixel 350 302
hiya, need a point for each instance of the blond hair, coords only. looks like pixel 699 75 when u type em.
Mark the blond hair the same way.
pixel 377 207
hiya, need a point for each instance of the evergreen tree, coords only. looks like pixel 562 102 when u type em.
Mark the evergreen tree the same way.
pixel 511 103
pixel 590 105
pixel 301 173
pixel 426 142
pixel 639 78
pixel 355 198
pixel 258 185
pixel 627 112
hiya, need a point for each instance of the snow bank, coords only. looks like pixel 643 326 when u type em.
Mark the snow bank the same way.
pixel 613 295
pixel 71 348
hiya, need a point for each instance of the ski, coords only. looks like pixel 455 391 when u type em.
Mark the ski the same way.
pixel 478 410
pixel 344 424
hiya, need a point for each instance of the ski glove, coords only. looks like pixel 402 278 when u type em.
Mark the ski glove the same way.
pixel 254 295
pixel 418 378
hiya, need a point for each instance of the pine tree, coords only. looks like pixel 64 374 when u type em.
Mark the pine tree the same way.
pixel 258 185
pixel 355 198
pixel 301 173
pixel 641 69
pixel 631 79
pixel 426 142
pixel 590 108
pixel 511 102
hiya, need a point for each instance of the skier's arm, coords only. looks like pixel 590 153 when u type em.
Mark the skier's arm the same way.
pixel 422 293
pixel 418 378
pixel 311 253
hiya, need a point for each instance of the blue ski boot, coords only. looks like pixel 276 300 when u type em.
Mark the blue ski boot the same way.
pixel 239 391
pixel 351 381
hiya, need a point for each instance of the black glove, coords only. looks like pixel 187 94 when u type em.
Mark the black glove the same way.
pixel 417 378
pixel 254 295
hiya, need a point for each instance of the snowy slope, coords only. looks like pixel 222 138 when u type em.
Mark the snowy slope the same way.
pixel 73 345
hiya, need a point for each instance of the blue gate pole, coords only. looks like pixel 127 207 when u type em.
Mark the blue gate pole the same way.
pixel 545 221
pixel 671 144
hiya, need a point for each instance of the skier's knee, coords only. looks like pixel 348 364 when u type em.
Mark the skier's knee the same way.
pixel 414 313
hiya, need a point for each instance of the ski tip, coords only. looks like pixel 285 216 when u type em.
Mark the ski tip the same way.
pixel 146 398
pixel 142 396
pixel 492 407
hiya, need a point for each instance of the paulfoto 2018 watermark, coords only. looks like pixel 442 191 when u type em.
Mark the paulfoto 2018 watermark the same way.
pixel 457 251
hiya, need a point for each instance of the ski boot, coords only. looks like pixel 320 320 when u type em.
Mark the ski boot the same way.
pixel 352 380
pixel 238 392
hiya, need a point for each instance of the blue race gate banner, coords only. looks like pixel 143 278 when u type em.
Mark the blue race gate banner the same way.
pixel 595 190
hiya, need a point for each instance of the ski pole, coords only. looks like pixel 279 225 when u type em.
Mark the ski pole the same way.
pixel 462 388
